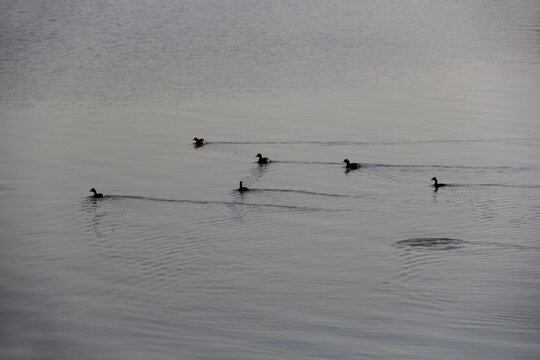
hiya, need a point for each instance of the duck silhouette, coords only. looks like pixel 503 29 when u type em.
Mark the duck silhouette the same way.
pixel 242 188
pixel 350 165
pixel 436 183
pixel 96 194
pixel 263 160
pixel 199 142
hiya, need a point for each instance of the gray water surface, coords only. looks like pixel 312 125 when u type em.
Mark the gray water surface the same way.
pixel 315 262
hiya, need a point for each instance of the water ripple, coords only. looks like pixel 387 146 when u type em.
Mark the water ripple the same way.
pixel 409 166
pixel 430 166
pixel 353 142
pixel 310 193
pixel 215 202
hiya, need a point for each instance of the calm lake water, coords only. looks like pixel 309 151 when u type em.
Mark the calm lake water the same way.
pixel 314 262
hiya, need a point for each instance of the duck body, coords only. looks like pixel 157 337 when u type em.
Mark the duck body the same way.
pixel 242 188
pixel 263 160
pixel 199 142
pixel 96 194
pixel 351 166
pixel 436 183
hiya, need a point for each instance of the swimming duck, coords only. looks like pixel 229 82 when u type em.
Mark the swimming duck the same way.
pixel 96 194
pixel 350 165
pixel 242 188
pixel 263 160
pixel 437 184
pixel 199 142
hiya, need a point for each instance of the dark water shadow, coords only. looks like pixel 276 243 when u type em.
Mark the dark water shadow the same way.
pixel 431 243
pixel 347 171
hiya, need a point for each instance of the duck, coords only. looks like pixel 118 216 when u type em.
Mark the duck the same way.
pixel 242 188
pixel 263 160
pixel 350 165
pixel 96 194
pixel 200 142
pixel 437 184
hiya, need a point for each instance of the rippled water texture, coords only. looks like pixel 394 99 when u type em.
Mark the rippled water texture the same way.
pixel 315 261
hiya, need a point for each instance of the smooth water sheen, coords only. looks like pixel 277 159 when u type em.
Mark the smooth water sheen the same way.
pixel 314 262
